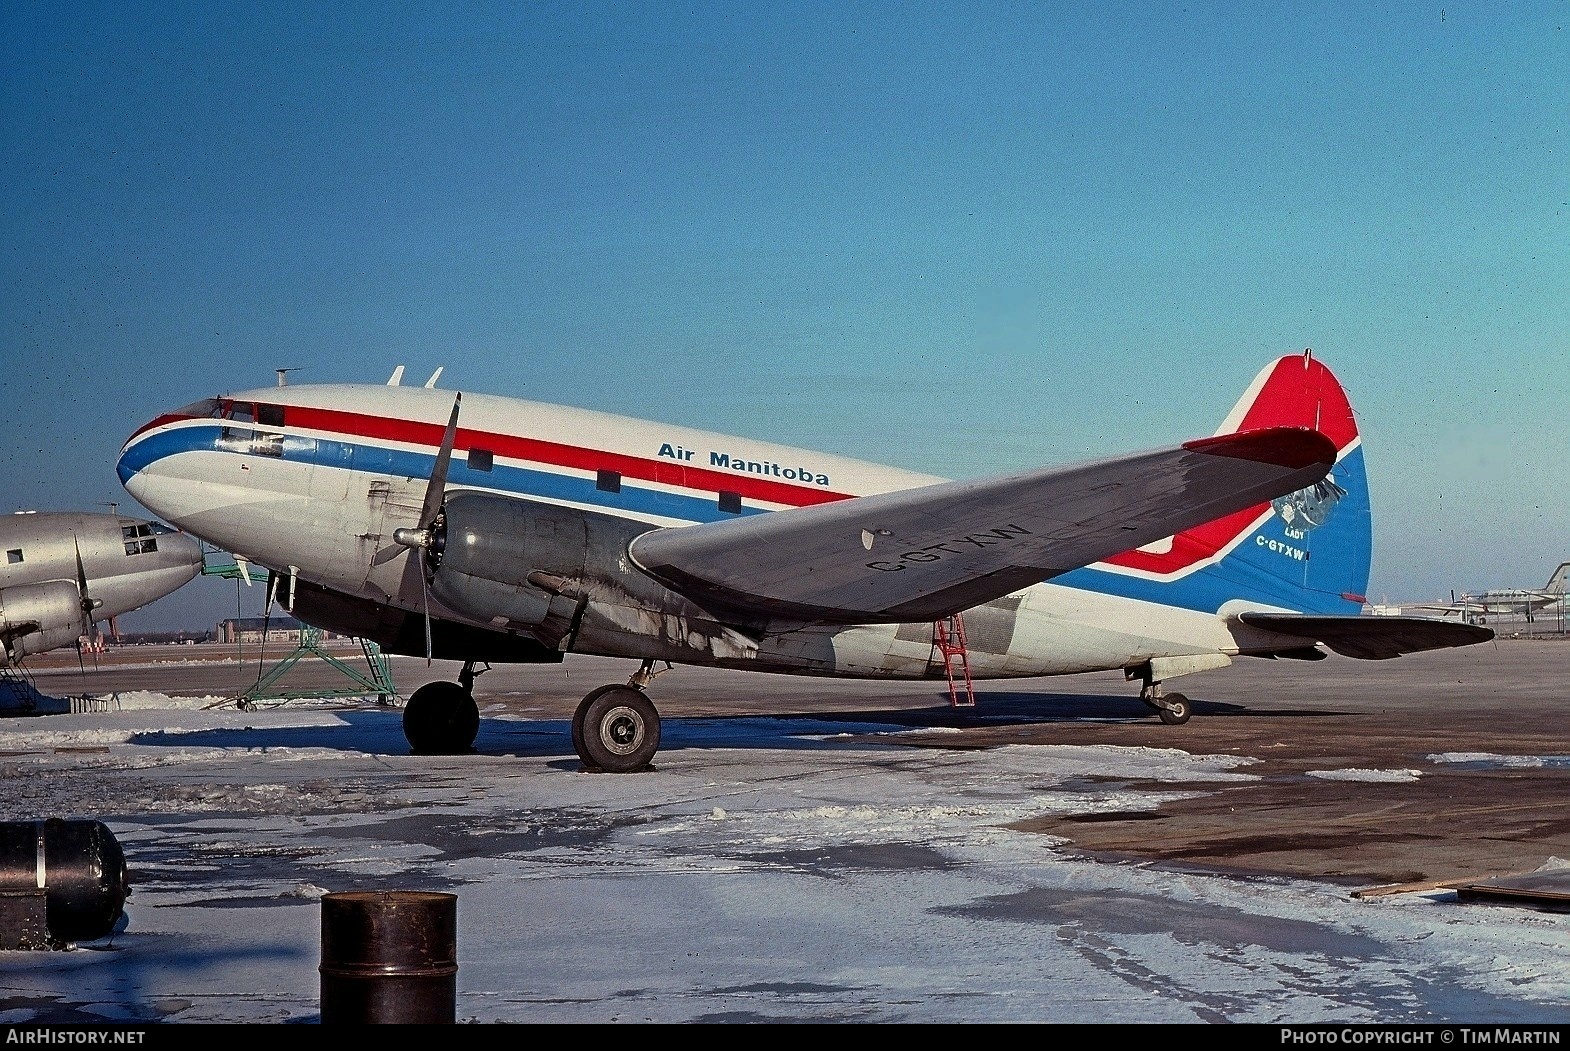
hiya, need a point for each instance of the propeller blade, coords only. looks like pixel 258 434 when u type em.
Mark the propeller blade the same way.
pixel 88 605
pixel 416 540
pixel 425 602
pixel 437 490
pixel 386 554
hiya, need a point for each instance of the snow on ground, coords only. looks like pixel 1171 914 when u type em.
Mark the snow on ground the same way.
pixel 767 870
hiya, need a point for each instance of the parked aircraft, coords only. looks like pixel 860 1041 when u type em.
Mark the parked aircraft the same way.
pixel 64 571
pixel 1518 601
pixel 483 529
pixel 1476 607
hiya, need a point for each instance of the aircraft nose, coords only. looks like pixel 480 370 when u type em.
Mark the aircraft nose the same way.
pixel 123 469
pixel 141 452
pixel 132 459
pixel 188 550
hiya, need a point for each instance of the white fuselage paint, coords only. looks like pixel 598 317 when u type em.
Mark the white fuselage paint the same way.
pixel 333 525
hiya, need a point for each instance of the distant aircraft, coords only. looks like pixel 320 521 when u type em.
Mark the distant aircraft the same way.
pixel 483 529
pixel 61 572
pixel 1477 607
pixel 1518 601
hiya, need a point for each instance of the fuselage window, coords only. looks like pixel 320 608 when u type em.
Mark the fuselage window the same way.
pixel 730 503
pixel 269 415
pixel 480 460
pixel 608 481
pixel 14 555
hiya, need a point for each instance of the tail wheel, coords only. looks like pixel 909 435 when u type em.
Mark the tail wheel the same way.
pixel 441 718
pixel 1174 709
pixel 616 729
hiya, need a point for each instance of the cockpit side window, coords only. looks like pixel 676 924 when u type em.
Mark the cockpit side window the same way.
pixel 139 539
pixel 243 438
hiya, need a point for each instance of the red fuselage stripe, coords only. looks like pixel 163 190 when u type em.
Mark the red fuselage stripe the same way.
pixel 362 426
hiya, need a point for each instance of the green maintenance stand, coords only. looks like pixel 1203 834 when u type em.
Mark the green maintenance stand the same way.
pixel 377 684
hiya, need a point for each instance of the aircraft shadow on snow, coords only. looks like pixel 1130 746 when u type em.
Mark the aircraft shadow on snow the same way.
pixel 379 732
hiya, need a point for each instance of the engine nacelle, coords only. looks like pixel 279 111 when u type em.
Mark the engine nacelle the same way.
pixel 39 617
pixel 528 566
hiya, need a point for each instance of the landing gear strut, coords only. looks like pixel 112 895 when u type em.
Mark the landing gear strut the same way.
pixel 616 728
pixel 441 718
pixel 1172 707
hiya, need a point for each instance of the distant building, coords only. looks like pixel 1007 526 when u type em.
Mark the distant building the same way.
pixel 262 629
pixel 186 637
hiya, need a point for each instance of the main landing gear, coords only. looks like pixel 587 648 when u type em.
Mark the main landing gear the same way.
pixel 616 728
pixel 1173 708
pixel 441 718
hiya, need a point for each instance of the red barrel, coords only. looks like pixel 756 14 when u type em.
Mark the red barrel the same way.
pixel 389 956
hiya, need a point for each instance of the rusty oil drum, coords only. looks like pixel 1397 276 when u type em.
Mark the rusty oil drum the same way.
pixel 61 881
pixel 389 956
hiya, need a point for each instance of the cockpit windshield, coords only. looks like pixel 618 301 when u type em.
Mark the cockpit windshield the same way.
pixel 207 407
pixel 265 414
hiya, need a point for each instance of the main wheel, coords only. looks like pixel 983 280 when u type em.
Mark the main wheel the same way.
pixel 581 712
pixel 1176 710
pixel 441 719
pixel 616 729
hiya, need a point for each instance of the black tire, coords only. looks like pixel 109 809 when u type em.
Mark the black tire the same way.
pixel 617 730
pixel 441 719
pixel 582 712
pixel 1178 713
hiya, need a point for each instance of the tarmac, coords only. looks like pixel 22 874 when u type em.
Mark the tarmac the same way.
pixel 1380 781
pixel 1460 820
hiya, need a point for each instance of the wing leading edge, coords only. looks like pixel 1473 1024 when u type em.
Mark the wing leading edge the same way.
pixel 1370 637
pixel 925 553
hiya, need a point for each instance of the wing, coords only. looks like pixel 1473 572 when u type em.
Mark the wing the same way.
pixel 922 554
pixel 1374 638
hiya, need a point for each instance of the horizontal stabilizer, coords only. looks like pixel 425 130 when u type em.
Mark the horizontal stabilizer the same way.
pixel 1371 638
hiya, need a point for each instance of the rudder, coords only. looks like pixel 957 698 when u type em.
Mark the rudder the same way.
pixel 1309 551
pixel 1313 551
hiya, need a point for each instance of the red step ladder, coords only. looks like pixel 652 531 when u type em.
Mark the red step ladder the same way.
pixel 948 638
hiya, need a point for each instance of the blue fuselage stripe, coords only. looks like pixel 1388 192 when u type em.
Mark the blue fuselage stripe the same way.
pixel 374 461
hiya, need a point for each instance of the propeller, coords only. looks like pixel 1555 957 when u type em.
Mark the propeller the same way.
pixel 87 601
pixel 420 540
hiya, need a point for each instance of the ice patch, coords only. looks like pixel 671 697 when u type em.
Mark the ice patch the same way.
pixel 1366 775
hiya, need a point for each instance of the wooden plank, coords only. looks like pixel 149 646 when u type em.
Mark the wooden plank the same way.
pixel 1410 888
pixel 1550 888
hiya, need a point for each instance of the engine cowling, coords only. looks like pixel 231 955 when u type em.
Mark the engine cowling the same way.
pixel 529 566
pixel 43 616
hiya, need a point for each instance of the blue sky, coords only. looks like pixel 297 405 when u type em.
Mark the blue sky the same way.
pixel 960 238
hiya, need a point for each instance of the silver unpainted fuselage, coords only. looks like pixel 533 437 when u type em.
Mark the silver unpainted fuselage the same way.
pixel 63 571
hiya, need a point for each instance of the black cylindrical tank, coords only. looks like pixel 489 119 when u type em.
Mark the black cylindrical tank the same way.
pixel 389 956
pixel 61 881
